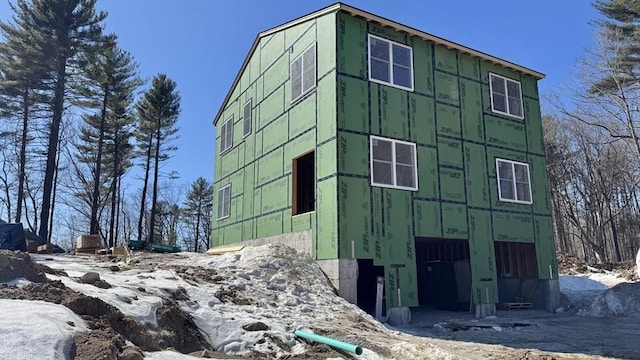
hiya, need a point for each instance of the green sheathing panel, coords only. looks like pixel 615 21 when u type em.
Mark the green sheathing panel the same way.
pixel 353 154
pixel 545 247
pixel 422 120
pixel 423 74
pixel 426 218
pixel 259 165
pixel 428 176
pixel 481 248
pixel 533 121
pixel 454 221
pixel 358 238
pixel 505 133
pixel 353 104
pixel 351 45
pixel 476 177
pixel 471 108
pixel 538 171
pixel 469 67
pixel 327 217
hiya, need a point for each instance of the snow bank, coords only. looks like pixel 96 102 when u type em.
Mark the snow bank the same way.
pixel 623 300
pixel 37 330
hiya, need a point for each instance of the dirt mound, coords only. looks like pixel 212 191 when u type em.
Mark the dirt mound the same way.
pixel 621 300
pixel 15 265
pixel 570 265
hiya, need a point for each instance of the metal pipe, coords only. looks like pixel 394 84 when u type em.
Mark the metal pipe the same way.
pixel 329 341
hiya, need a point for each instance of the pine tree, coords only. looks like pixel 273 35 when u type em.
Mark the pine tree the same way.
pixel 158 112
pixel 621 30
pixel 197 211
pixel 59 31
pixel 23 86
pixel 112 78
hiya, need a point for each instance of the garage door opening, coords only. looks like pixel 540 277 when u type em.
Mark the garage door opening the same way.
pixel 444 273
pixel 517 273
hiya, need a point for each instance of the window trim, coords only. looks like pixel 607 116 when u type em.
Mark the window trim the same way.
pixel 222 189
pixel 315 77
pixel 506 89
pixel 244 118
pixel 391 43
pixel 393 163
pixel 223 134
pixel 515 190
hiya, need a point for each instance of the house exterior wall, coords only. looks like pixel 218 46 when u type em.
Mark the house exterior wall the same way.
pixel 258 166
pixel 449 117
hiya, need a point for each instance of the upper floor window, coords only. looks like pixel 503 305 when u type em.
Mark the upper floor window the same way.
pixel 246 118
pixel 514 184
pixel 390 63
pixel 303 73
pixel 393 164
pixel 226 135
pixel 506 96
pixel 224 202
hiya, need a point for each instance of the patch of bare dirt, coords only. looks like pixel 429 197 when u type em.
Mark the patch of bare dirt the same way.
pixel 196 274
pixel 14 264
pixel 228 294
pixel 572 265
pixel 110 329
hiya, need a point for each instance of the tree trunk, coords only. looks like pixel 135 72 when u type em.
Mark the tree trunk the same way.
pixel 197 228
pixel 144 188
pixel 53 196
pixel 52 150
pixel 95 200
pixel 156 172
pixel 23 154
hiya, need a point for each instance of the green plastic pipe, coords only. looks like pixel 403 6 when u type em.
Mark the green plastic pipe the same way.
pixel 329 341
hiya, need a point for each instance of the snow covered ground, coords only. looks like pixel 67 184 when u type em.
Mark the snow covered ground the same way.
pixel 245 303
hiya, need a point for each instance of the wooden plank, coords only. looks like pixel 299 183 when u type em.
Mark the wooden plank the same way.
pixel 514 305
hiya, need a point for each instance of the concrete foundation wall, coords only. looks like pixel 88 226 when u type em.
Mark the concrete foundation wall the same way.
pixel 300 241
pixel 343 274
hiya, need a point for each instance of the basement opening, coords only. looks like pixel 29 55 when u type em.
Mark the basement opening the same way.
pixel 367 284
pixel 444 273
pixel 517 272
pixel 303 173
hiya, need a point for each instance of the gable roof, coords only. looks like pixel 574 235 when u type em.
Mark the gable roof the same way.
pixel 384 22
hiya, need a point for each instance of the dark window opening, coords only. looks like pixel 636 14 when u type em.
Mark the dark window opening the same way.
pixel 304 184
pixel 516 260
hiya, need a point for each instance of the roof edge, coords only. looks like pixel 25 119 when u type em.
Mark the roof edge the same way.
pixel 441 41
pixel 383 21
pixel 323 11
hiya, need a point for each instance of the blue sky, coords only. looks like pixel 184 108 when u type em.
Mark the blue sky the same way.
pixel 201 44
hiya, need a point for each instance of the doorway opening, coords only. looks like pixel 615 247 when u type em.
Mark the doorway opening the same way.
pixel 367 284
pixel 444 273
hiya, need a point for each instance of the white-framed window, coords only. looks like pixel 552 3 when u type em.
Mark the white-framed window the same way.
pixel 514 184
pixel 226 135
pixel 393 164
pixel 506 96
pixel 303 73
pixel 390 63
pixel 224 202
pixel 246 118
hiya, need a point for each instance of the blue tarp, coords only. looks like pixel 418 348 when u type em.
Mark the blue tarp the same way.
pixel 12 237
